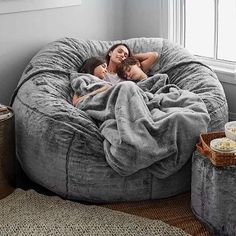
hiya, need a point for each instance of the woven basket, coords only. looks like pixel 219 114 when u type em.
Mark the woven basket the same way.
pixel 216 158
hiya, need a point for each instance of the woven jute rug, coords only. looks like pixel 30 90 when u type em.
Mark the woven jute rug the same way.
pixel 30 213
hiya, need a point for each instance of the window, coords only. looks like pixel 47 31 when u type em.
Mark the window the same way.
pixel 207 28
pixel 210 28
pixel 199 27
pixel 227 30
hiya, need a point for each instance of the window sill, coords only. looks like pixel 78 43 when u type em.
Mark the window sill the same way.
pixel 225 71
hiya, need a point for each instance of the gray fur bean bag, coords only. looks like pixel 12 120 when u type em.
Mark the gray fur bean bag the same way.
pixel 131 142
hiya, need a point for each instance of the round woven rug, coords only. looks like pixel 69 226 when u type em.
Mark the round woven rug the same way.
pixel 30 213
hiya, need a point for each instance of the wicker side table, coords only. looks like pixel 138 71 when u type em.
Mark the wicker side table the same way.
pixel 7 151
pixel 213 192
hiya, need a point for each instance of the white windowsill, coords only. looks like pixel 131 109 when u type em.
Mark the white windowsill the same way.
pixel 225 71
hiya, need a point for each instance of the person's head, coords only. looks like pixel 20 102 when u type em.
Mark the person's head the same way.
pixel 94 66
pixel 117 53
pixel 130 69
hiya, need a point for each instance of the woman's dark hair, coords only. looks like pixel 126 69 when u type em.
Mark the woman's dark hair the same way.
pixel 90 64
pixel 107 57
pixel 124 65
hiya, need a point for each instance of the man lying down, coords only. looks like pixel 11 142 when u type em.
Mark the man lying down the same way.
pixel 146 122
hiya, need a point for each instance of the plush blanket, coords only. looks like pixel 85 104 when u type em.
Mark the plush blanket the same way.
pixel 149 124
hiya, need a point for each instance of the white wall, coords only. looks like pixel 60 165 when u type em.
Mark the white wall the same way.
pixel 145 18
pixel 24 33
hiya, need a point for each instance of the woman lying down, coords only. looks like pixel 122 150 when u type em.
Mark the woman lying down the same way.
pixel 146 122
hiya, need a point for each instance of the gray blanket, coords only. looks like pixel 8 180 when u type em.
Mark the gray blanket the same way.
pixel 144 124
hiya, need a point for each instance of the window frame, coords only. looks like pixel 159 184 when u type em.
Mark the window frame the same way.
pixel 176 23
pixel 176 33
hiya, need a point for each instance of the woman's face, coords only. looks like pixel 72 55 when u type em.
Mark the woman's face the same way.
pixel 100 70
pixel 118 54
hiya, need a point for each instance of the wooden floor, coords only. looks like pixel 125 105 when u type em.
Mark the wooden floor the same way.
pixel 175 211
pixel 5 190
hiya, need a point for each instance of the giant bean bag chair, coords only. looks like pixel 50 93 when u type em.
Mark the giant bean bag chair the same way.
pixel 65 149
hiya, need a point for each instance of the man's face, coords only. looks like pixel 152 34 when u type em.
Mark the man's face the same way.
pixel 134 72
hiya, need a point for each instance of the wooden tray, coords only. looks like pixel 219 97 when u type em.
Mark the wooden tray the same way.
pixel 216 158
